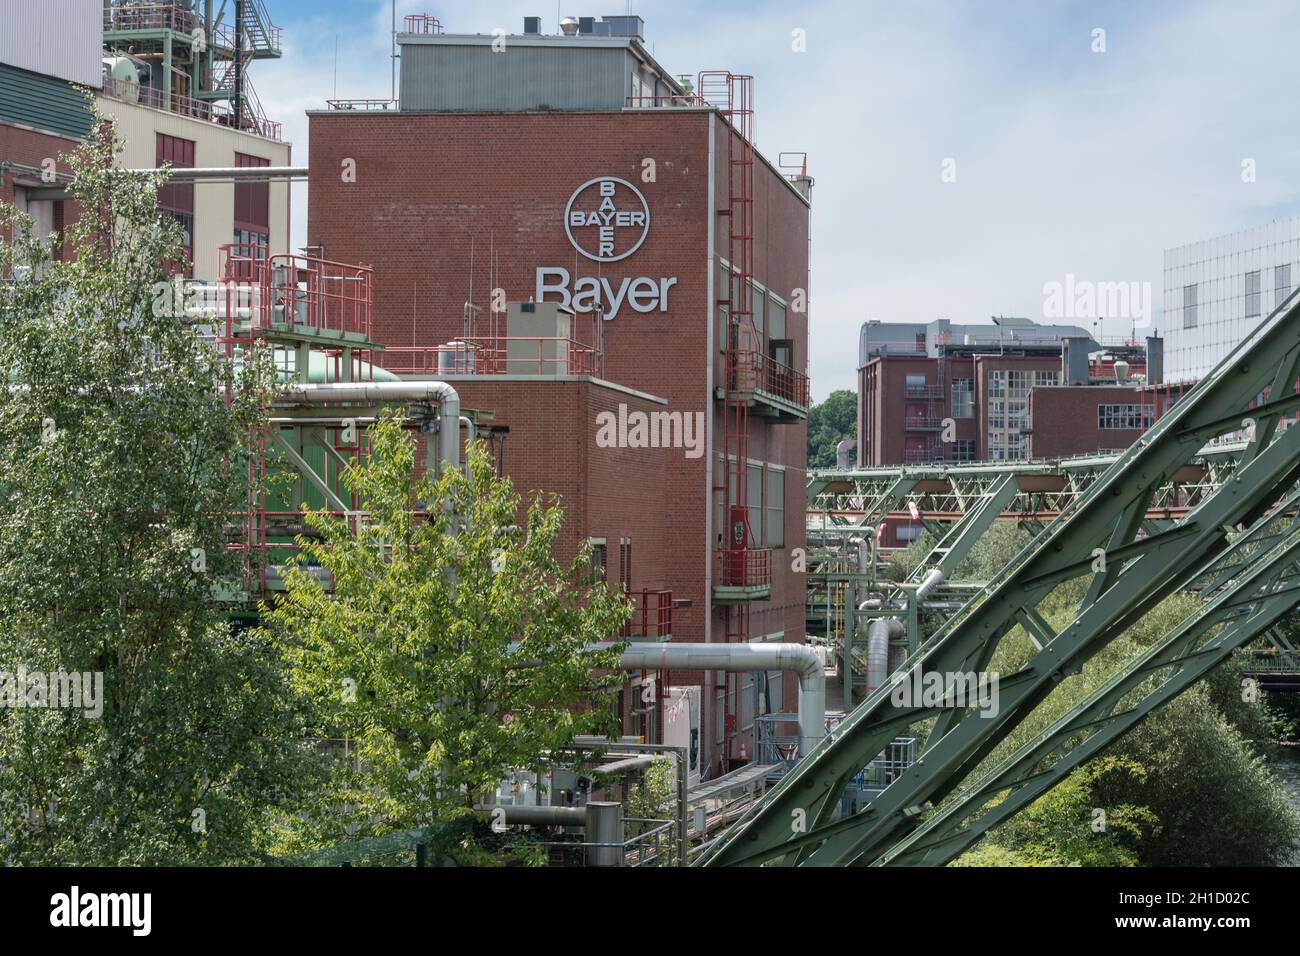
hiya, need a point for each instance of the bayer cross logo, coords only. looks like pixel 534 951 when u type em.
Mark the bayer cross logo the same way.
pixel 607 219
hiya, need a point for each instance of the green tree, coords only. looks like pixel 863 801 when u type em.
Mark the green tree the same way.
pixel 454 646
pixel 829 423
pixel 115 432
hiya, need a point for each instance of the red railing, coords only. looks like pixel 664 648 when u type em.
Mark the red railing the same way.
pixel 150 16
pixel 496 355
pixel 758 372
pixel 747 568
pixel 156 99
pixel 653 616
pixel 422 23
pixel 297 292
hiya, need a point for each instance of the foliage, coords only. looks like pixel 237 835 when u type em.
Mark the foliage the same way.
pixel 1215 799
pixel 114 499
pixel 1071 826
pixel 454 647
pixel 830 422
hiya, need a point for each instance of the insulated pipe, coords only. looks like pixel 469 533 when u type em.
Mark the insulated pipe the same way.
pixel 370 393
pixel 927 585
pixel 237 173
pixel 527 815
pixel 745 657
pixel 879 634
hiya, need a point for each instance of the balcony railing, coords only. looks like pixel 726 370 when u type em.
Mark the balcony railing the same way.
pixel 913 455
pixel 747 568
pixel 496 355
pixel 922 423
pixel 756 372
pixel 129 92
pixel 422 23
pixel 361 104
pixel 653 616
pixel 150 16
pixel 297 293
pixel 923 391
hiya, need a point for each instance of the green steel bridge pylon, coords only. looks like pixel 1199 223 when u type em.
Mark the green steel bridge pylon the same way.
pixel 1251 389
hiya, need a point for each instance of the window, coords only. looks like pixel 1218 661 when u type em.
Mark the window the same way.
pixel 253 208
pixel 997 383
pixel 756 300
pixel 1046 378
pixel 907 533
pixel 1281 284
pixel 1126 417
pixel 1189 306
pixel 625 563
pixel 1252 294
pixel 963 398
pixel 963 449
pixel 754 503
pixel 775 319
pixel 177 199
pixel 775 508
pixel 599 559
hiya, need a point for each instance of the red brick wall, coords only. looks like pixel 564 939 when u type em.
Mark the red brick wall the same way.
pixel 31 148
pixel 1064 419
pixel 431 189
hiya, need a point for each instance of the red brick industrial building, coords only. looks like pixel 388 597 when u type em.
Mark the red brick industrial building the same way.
pixel 627 198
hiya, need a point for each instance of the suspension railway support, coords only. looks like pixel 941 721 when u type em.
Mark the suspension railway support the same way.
pixel 1250 391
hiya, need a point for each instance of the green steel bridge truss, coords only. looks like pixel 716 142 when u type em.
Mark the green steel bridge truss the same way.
pixel 1165 515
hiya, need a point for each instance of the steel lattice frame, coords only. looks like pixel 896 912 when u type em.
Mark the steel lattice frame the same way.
pixel 795 822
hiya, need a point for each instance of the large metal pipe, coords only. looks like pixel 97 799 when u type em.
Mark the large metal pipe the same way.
pixel 800 658
pixel 881 631
pixel 371 393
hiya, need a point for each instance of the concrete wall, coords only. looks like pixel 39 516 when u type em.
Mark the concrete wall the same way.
pixel 214 145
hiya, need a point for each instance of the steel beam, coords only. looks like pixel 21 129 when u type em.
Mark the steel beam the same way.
pixel 794 820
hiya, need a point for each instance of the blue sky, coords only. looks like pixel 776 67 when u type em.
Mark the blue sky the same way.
pixel 1068 161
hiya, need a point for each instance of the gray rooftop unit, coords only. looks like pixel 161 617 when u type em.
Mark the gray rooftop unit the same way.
pixel 532 26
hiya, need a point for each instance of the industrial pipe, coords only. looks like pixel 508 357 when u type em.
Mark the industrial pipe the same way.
pixel 879 634
pixel 799 658
pixel 931 581
pixel 449 419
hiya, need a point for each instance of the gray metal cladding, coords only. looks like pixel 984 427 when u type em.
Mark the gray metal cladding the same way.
pixel 476 79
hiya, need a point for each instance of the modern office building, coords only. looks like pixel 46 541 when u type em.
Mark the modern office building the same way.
pixel 1217 290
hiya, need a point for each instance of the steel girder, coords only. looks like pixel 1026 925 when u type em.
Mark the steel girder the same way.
pixel 1247 591
pixel 795 821
pixel 1044 488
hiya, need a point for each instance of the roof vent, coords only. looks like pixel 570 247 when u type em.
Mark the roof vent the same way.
pixel 569 26
pixel 532 25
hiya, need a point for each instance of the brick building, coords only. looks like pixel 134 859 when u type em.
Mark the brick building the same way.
pixel 1010 390
pixel 573 170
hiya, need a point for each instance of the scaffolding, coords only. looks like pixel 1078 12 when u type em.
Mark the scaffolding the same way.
pixel 197 54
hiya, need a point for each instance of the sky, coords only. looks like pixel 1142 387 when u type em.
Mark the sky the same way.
pixel 967 153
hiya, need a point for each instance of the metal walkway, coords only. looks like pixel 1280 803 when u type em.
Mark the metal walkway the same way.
pixel 1235 545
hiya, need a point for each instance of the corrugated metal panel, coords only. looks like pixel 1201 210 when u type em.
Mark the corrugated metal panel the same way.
pixel 61 38
pixel 473 78
pixel 42 102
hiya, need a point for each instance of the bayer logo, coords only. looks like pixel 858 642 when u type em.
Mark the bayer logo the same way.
pixel 607 219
